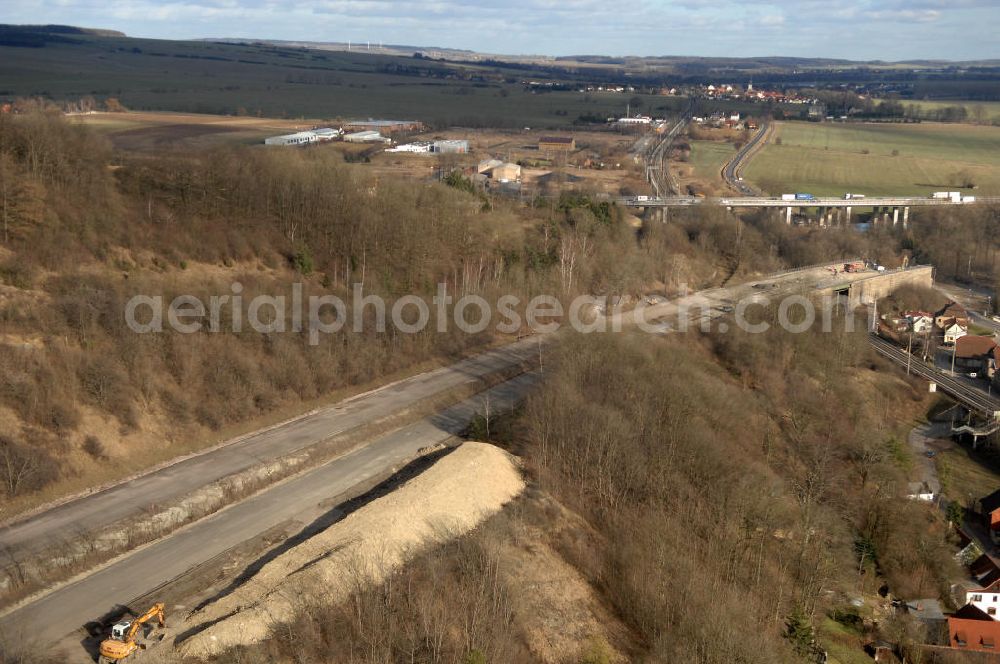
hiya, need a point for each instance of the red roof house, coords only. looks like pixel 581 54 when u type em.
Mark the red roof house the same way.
pixel 970 628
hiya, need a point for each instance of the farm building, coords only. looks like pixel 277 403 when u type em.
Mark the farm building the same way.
pixel 326 133
pixel 487 165
pixel 383 126
pixel 418 147
pixel 304 137
pixel 298 138
pixel 450 147
pixel 369 136
pixel 556 144
pixel 506 173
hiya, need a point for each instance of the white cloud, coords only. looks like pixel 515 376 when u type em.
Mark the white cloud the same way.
pixel 851 28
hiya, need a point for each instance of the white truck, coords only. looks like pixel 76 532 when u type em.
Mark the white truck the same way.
pixel 788 197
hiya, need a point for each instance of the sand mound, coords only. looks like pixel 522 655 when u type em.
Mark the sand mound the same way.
pixel 449 499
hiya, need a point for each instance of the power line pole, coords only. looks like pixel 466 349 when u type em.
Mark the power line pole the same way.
pixel 909 353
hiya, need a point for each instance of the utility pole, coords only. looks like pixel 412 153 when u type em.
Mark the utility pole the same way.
pixel 909 353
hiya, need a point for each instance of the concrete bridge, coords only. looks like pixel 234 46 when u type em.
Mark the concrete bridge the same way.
pixel 831 210
pixel 866 287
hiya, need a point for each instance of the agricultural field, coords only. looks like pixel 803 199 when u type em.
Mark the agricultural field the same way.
pixel 988 110
pixel 878 159
pixel 704 163
pixel 272 81
pixel 144 131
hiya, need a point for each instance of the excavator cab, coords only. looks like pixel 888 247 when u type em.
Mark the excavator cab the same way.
pixel 119 630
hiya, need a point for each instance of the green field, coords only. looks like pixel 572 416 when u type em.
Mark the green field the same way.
pixel 990 109
pixel 884 159
pixel 964 476
pixel 216 78
pixel 708 157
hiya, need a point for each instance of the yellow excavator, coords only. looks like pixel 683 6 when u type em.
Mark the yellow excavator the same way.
pixel 122 641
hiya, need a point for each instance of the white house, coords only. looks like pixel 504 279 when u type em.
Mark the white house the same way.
pixel 953 332
pixel 920 322
pixel 986 601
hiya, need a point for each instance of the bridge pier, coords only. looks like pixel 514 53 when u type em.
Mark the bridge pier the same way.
pixel 847 214
pixel 906 216
pixel 788 215
pixel 895 216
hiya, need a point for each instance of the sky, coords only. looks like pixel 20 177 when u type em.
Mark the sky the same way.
pixel 852 29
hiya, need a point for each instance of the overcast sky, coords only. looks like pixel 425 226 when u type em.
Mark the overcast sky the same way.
pixel 855 29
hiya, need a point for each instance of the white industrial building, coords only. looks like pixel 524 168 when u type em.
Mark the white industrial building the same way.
pixel 634 121
pixel 420 147
pixel 369 136
pixel 298 138
pixel 304 137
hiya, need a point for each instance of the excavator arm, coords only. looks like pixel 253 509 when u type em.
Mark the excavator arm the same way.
pixel 155 611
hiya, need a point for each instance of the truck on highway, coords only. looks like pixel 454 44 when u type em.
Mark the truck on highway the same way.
pixel 788 197
pixel 804 197
pixel 953 196
pixel 851 197
pixel 968 199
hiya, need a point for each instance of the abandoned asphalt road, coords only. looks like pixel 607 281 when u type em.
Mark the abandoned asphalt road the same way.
pixel 68 608
pixel 91 512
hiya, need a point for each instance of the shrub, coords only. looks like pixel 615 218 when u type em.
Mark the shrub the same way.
pixel 302 261
pixel 25 468
pixel 597 651
pixel 94 448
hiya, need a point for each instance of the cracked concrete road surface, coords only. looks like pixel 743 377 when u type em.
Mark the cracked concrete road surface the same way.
pixel 91 512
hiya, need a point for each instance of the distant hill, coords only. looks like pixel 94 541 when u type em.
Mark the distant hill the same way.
pixel 36 36
pixel 439 86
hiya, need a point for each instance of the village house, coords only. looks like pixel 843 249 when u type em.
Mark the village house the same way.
pixel 950 313
pixel 983 589
pixel 920 321
pixel 971 628
pixel 976 354
pixel 952 332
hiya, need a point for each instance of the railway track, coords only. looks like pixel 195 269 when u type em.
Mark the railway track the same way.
pixel 969 395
